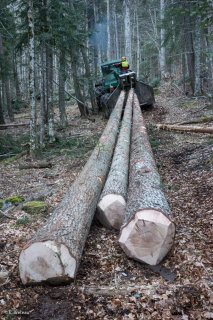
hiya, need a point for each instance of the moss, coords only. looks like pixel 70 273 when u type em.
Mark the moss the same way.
pixel 1 203
pixel 35 207
pixel 14 199
pixel 9 160
pixel 157 91
pixel 23 221
pixel 189 104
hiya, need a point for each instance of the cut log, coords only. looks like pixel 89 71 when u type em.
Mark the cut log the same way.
pixel 111 207
pixel 148 232
pixel 54 253
pixel 185 128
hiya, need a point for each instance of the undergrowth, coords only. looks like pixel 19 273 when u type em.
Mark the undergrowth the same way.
pixel 73 147
pixel 12 145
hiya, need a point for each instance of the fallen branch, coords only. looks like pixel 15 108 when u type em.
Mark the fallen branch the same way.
pixel 7 155
pixel 11 125
pixel 40 165
pixel 185 128
pixel 200 120
pixel 124 290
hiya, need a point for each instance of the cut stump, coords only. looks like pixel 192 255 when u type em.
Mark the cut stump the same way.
pixel 54 253
pixel 111 207
pixel 148 232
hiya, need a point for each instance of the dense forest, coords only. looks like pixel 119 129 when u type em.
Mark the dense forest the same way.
pixel 51 51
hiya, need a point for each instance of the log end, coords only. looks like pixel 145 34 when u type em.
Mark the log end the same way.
pixel 46 262
pixel 147 237
pixel 110 211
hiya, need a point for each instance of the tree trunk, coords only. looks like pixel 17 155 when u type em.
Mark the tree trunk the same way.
pixel 51 131
pixel 162 52
pixel 8 99
pixel 1 111
pixel 197 50
pixel 138 47
pixel 15 75
pixel 108 33
pixel 81 105
pixel 148 232
pixel 189 48
pixel 127 32
pixel 185 128
pixel 209 60
pixel 117 52
pixel 62 78
pixel 89 79
pixel 43 105
pixel 112 203
pixel 33 127
pixel 54 253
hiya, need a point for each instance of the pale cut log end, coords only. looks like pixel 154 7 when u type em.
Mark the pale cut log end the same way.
pixel 148 237
pixel 46 262
pixel 110 211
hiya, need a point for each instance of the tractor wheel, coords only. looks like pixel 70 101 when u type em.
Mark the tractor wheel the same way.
pixel 99 92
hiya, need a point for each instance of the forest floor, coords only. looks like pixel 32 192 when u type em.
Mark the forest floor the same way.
pixel 108 284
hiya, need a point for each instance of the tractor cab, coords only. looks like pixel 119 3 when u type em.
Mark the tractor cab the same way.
pixel 114 77
pixel 110 74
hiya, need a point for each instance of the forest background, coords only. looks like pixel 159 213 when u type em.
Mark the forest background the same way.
pixel 51 51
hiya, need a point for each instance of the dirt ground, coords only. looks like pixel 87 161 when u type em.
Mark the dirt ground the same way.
pixel 109 285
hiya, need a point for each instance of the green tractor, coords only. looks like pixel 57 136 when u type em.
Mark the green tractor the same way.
pixel 113 81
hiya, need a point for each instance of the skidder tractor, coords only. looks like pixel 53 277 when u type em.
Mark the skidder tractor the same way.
pixel 113 81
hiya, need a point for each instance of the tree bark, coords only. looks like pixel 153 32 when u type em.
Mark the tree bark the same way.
pixel 111 207
pixel 51 129
pixel 1 111
pixel 8 99
pixel 108 33
pixel 62 78
pixel 148 232
pixel 81 105
pixel 162 52
pixel 89 79
pixel 43 103
pixel 127 32
pixel 16 77
pixel 185 128
pixel 33 120
pixel 54 254
pixel 189 47
pixel 197 50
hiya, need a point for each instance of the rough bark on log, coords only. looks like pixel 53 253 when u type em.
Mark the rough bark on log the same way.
pixel 111 207
pixel 148 232
pixel 54 253
pixel 185 128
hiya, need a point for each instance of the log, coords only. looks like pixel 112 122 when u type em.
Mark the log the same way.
pixel 54 253
pixel 13 125
pixel 185 128
pixel 148 232
pixel 199 120
pixel 111 207
pixel 33 165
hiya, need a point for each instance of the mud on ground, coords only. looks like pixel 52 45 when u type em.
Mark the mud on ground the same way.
pixel 108 284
